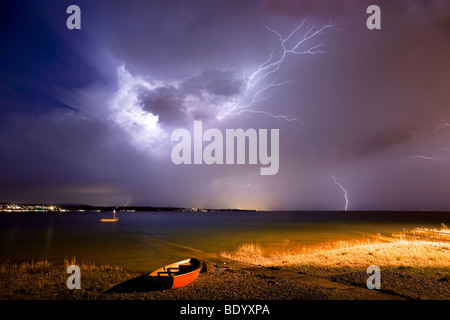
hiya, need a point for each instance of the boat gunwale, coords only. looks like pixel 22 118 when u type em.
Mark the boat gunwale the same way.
pixel 184 274
pixel 165 268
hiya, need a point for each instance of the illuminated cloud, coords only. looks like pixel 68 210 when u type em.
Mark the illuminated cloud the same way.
pixel 96 106
pixel 128 113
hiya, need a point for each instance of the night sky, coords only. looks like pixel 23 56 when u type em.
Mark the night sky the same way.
pixel 86 115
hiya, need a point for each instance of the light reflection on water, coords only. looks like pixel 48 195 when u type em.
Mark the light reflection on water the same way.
pixel 144 241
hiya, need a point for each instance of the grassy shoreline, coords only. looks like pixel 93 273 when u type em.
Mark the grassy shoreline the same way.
pixel 410 269
pixel 425 259
pixel 46 280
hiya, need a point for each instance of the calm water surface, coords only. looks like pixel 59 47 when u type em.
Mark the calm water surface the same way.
pixel 144 241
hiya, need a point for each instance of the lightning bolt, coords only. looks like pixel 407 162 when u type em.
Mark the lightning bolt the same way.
pixel 261 82
pixel 443 126
pixel 437 127
pixel 427 158
pixel 344 190
pixel 279 117
pixel 128 202
pixel 127 109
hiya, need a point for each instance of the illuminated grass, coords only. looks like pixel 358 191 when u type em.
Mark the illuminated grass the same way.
pixel 389 252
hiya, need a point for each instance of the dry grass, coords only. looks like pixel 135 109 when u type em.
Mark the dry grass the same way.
pixel 425 234
pixel 29 266
pixel 390 253
pixel 47 280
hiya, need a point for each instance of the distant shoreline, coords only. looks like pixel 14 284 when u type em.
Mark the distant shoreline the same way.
pixel 10 207
pixel 36 207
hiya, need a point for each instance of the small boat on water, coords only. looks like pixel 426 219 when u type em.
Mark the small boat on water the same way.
pixel 110 220
pixel 178 274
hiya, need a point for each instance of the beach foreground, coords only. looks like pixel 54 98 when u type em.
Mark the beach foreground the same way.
pixel 410 268
pixel 224 280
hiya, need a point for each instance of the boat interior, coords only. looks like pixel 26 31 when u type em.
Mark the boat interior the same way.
pixel 178 269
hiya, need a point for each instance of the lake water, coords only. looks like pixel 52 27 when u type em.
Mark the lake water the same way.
pixel 144 241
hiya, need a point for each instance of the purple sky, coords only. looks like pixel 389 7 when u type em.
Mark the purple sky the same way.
pixel 86 115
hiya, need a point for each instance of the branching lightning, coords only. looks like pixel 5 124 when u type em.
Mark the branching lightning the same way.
pixel 129 109
pixel 443 126
pixel 279 117
pixel 260 82
pixel 427 158
pixel 344 190
pixel 437 127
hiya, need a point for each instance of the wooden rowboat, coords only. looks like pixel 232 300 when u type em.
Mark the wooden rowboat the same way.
pixel 175 275
pixel 178 274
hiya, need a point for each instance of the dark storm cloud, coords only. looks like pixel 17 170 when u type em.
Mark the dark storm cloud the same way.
pixel 169 102
pixel 220 83
pixel 382 140
pixel 435 10
pixel 191 35
pixel 73 158
pixel 77 106
pixel 166 102
pixel 303 8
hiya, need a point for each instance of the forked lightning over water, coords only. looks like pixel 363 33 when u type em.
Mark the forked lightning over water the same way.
pixel 343 189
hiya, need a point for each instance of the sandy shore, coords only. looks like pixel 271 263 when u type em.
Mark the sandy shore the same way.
pixel 234 281
pixel 224 280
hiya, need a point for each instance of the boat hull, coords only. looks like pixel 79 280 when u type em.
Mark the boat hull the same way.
pixel 178 274
pixel 184 280
pixel 175 275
